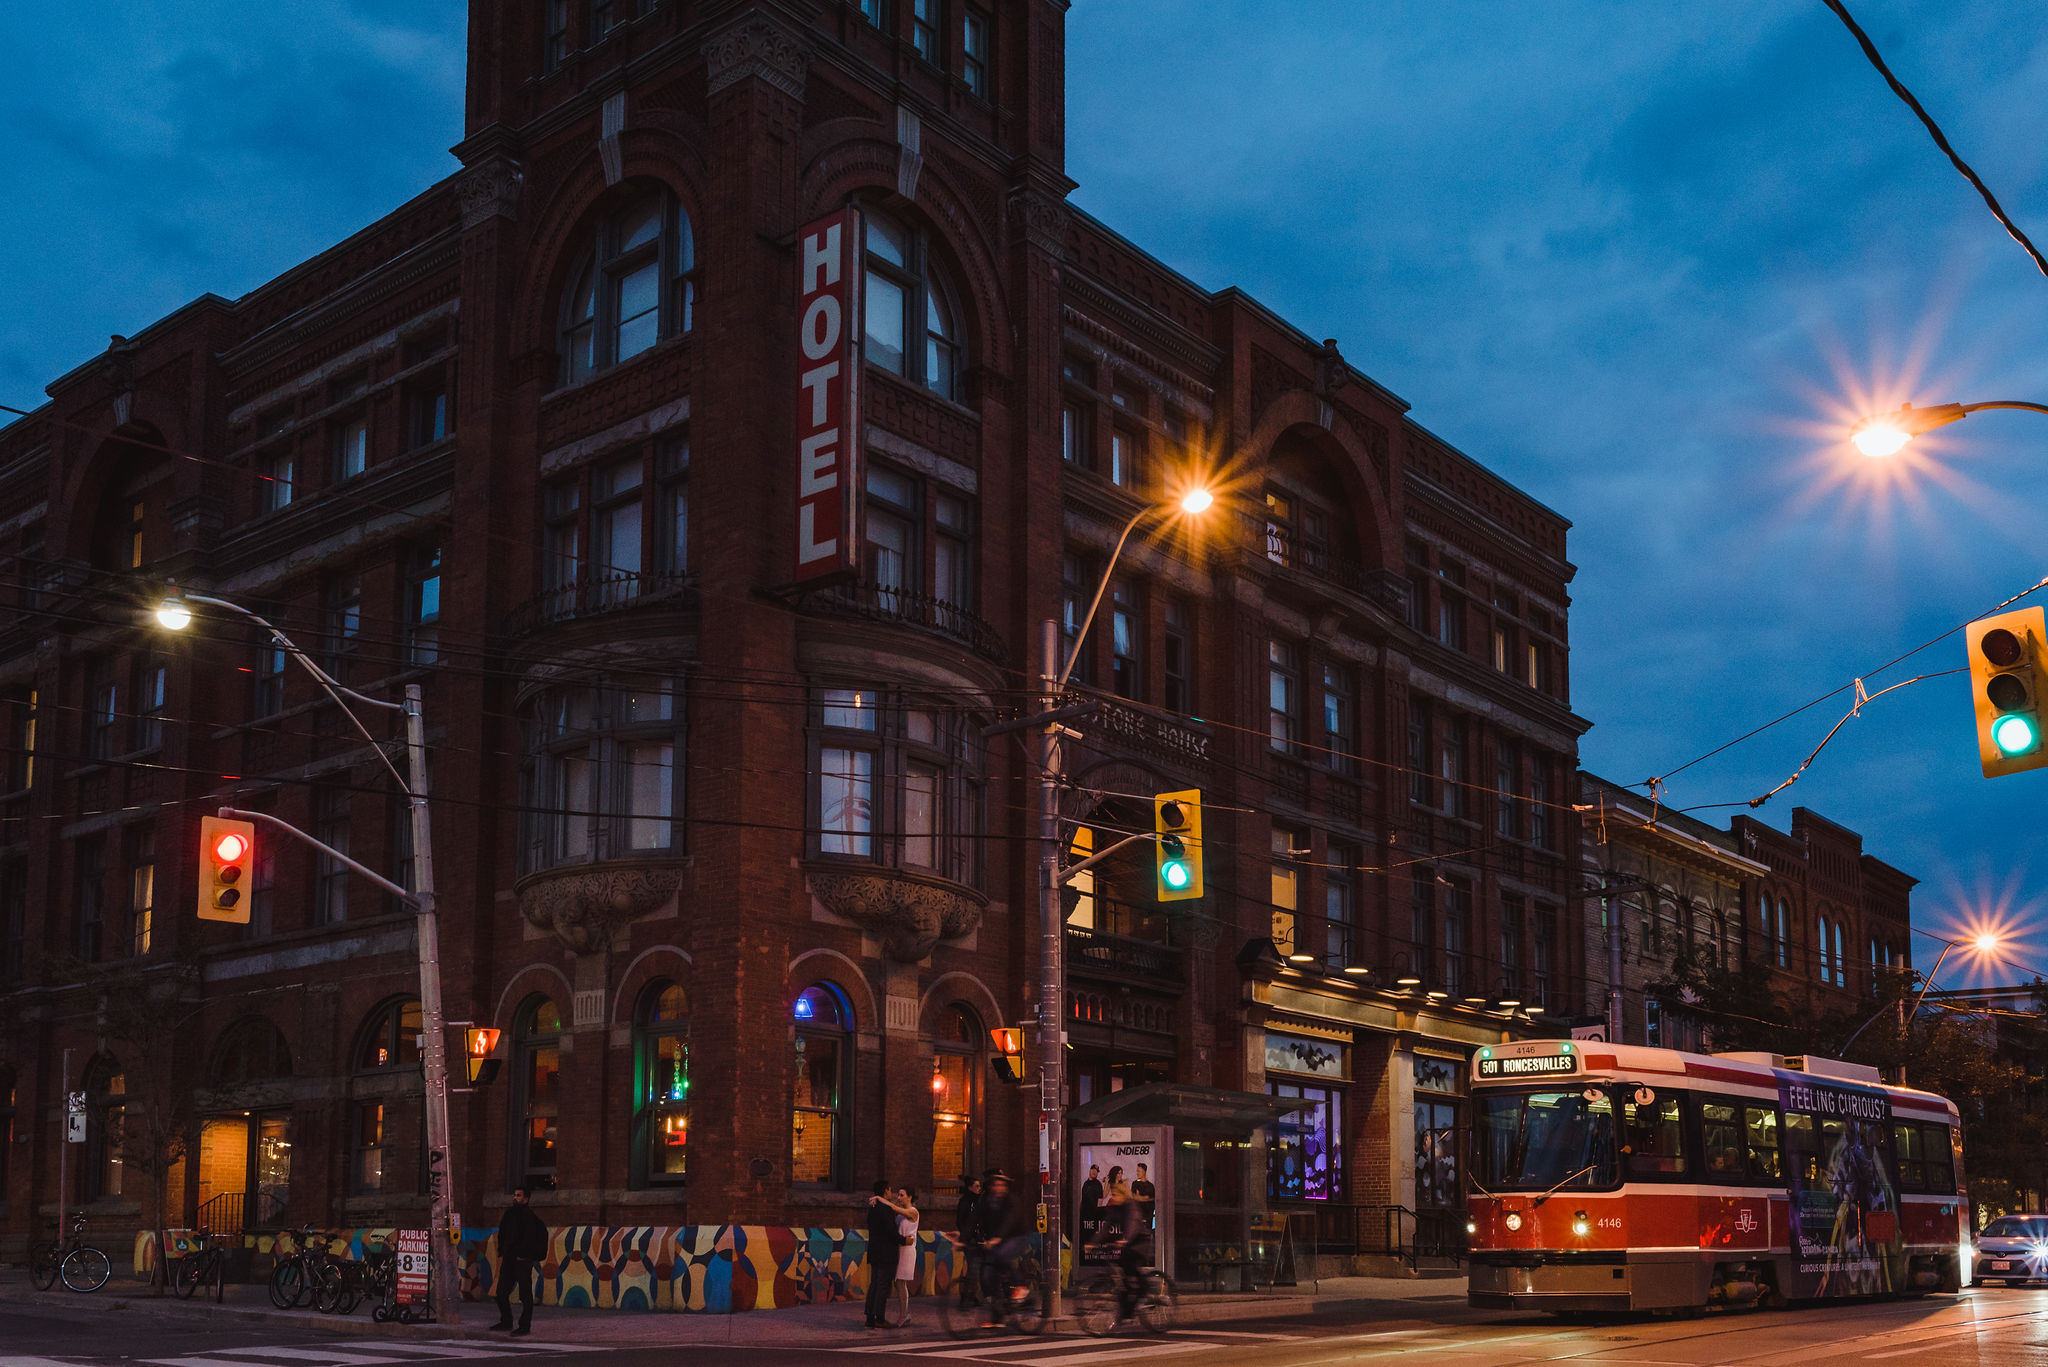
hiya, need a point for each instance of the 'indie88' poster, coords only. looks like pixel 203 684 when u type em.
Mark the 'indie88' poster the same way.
pixel 1845 1208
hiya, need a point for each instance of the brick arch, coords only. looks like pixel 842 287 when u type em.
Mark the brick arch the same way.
pixel 559 224
pixel 114 447
pixel 869 164
pixel 1296 412
pixel 533 975
pixel 632 982
pixel 946 988
pixel 848 978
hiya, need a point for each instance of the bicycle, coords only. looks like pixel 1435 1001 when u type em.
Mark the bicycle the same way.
pixel 1019 1303
pixel 296 1275
pixel 343 1282
pixel 83 1267
pixel 1098 1309
pixel 207 1262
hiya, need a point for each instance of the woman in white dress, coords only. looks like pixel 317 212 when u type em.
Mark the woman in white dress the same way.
pixel 905 1206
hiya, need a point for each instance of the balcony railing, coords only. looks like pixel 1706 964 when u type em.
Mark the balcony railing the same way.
pixel 598 593
pixel 1289 549
pixel 1122 956
pixel 886 603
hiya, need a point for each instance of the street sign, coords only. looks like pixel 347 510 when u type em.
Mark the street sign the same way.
pixel 415 1267
pixel 74 1117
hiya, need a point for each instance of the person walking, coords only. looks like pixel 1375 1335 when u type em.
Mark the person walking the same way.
pixel 881 1254
pixel 522 1244
pixel 967 1231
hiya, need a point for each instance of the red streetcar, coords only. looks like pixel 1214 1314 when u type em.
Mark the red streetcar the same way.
pixel 1612 1177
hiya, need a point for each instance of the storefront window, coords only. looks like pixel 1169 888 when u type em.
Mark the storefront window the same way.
pixel 536 1101
pixel 664 1073
pixel 824 1034
pixel 957 1071
pixel 1305 1148
pixel 1438 1183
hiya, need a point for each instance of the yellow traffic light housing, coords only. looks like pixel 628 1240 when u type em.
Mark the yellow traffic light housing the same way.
pixel 1177 821
pixel 1008 1058
pixel 2007 686
pixel 227 854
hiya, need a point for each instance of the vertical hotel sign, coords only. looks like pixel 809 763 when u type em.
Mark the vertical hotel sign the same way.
pixel 828 482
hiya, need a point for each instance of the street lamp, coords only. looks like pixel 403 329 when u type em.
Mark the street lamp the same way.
pixel 1984 944
pixel 1884 434
pixel 174 613
pixel 1192 502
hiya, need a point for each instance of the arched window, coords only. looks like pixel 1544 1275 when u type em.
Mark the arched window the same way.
pixel 824 1047
pixel 957 1072
pixel 392 1039
pixel 389 1044
pixel 251 1051
pixel 912 319
pixel 535 1099
pixel 634 285
pixel 662 1085
pixel 106 1100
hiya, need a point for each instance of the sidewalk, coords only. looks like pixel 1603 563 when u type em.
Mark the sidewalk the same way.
pixel 834 1325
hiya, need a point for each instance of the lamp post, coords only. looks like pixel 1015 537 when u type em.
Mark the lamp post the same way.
pixel 1883 434
pixel 175 614
pixel 1052 922
pixel 1984 944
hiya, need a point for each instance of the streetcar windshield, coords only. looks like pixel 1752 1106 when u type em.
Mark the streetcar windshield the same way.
pixel 1539 1140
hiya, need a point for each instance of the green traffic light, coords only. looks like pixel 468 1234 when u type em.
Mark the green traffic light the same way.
pixel 2014 735
pixel 1174 873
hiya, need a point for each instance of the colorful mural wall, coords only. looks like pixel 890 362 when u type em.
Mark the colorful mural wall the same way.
pixel 706 1269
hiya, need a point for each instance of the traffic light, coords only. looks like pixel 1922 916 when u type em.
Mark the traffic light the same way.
pixel 1177 819
pixel 1009 1055
pixel 227 851
pixel 2007 684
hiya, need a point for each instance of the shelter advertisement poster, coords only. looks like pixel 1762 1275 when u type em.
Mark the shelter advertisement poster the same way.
pixel 1845 1232
pixel 1115 1161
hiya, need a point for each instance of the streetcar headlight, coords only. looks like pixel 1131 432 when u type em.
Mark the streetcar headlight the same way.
pixel 1471 1226
pixel 1580 1226
pixel 1513 1222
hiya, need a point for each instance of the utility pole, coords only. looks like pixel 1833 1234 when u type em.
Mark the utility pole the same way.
pixel 64 1148
pixel 442 1232
pixel 1051 971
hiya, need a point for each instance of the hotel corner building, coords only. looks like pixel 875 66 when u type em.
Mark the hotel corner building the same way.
pixel 726 855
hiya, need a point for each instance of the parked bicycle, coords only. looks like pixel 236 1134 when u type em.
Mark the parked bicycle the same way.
pixel 1018 1303
pixel 344 1282
pixel 205 1264
pixel 1110 1299
pixel 83 1267
pixel 297 1273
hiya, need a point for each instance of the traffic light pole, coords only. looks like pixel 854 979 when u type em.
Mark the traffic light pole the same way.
pixel 1051 974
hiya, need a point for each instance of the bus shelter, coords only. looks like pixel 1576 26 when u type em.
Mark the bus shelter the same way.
pixel 1197 1145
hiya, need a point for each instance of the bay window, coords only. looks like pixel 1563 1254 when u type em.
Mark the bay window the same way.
pixel 603 780
pixel 896 781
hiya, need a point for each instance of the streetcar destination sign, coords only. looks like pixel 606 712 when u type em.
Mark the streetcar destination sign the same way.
pixel 1533 1065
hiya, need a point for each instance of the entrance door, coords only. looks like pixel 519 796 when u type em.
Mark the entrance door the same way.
pixel 245 1171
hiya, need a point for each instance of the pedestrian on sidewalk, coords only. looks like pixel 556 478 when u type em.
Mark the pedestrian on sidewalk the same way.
pixel 522 1243
pixel 967 1232
pixel 904 1203
pixel 881 1254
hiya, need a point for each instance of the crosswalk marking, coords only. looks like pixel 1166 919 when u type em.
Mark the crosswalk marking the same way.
pixel 20 1361
pixel 311 1353
pixel 349 1353
pixel 1056 1351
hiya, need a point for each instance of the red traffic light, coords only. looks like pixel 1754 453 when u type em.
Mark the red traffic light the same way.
pixel 230 848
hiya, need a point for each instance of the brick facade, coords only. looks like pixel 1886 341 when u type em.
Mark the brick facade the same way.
pixel 1356 569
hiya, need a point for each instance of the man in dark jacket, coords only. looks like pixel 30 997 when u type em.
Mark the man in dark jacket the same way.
pixel 1006 1229
pixel 967 1222
pixel 522 1243
pixel 883 1241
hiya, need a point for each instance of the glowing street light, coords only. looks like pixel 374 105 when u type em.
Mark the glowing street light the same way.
pixel 1886 434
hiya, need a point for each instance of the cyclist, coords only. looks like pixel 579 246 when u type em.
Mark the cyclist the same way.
pixel 1125 1230
pixel 1006 1235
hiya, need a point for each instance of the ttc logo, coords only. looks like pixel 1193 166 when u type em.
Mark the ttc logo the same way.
pixel 1745 1221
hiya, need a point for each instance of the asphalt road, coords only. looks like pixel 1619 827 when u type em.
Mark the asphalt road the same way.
pixel 1985 1328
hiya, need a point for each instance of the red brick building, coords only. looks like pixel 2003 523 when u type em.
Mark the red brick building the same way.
pixel 730 862
pixel 1827 920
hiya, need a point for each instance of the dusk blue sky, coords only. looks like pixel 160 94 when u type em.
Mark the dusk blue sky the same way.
pixel 1643 260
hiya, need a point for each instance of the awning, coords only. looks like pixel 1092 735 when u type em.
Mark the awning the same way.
pixel 1213 1110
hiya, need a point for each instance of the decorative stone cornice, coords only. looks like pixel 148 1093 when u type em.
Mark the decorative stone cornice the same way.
pixel 760 47
pixel 490 189
pixel 1044 217
pixel 907 913
pixel 583 903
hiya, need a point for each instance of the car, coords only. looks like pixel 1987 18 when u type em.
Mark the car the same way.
pixel 2012 1248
